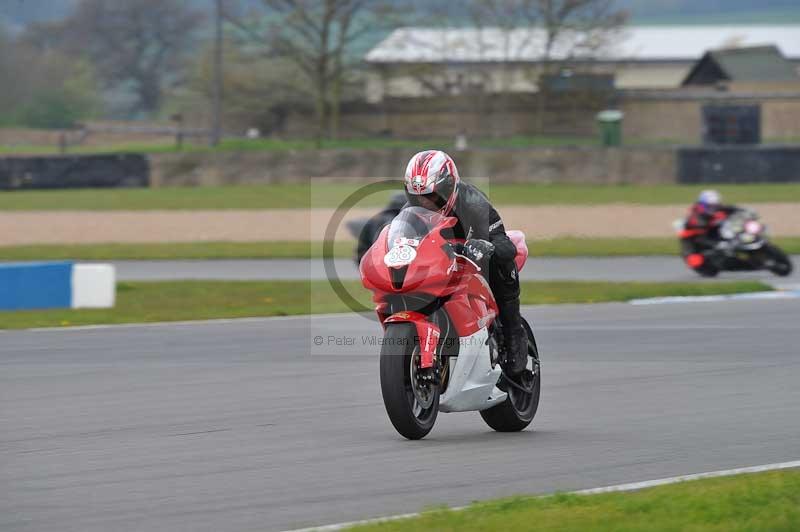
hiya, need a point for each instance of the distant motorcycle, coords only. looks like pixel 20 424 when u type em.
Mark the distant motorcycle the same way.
pixel 742 246
pixel 441 341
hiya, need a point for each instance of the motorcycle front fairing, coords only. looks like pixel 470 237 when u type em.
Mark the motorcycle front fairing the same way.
pixel 744 231
pixel 403 261
pixel 429 271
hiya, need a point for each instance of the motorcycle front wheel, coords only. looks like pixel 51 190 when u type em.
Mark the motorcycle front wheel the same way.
pixel 781 264
pixel 519 408
pixel 411 402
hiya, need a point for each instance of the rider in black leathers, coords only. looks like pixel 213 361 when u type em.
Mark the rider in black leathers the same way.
pixel 432 182
pixel 706 216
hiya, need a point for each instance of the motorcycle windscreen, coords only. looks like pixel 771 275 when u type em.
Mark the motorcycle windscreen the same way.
pixel 411 225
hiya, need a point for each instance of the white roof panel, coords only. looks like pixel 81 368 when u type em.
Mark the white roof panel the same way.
pixel 643 43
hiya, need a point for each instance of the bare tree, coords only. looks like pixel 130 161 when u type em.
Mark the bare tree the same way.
pixel 138 45
pixel 548 35
pixel 514 22
pixel 218 85
pixel 260 90
pixel 48 88
pixel 580 25
pixel 317 36
pixel 507 29
pixel 574 28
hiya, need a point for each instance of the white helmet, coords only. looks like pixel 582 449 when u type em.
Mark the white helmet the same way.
pixel 709 198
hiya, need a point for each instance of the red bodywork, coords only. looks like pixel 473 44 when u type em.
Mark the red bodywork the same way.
pixel 695 260
pixel 428 334
pixel 694 228
pixel 518 238
pixel 689 233
pixel 434 272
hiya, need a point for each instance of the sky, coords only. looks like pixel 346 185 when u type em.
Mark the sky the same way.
pixel 17 13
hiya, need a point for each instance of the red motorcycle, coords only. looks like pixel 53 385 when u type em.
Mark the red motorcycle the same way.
pixel 442 342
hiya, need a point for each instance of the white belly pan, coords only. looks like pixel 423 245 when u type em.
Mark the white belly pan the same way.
pixel 472 379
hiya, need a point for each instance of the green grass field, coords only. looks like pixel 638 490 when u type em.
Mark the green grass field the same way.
pixel 173 251
pixel 562 247
pixel 143 302
pixel 753 502
pixel 520 141
pixel 303 196
pixel 306 144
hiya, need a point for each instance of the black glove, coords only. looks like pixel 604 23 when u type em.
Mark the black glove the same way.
pixel 476 249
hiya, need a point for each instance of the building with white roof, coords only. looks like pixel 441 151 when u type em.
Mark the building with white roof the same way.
pixel 426 61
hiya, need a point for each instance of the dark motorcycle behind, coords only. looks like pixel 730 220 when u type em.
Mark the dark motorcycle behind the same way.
pixel 742 246
pixel 366 230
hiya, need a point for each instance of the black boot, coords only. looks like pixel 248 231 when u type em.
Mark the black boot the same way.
pixel 517 352
pixel 516 339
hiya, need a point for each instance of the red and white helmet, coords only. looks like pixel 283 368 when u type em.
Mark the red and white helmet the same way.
pixel 432 175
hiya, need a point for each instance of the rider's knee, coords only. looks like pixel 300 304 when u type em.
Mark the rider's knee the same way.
pixel 504 280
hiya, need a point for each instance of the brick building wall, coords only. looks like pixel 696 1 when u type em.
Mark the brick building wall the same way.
pixel 650 116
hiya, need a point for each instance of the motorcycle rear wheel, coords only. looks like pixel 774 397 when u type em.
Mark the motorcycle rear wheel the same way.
pixel 412 407
pixel 519 408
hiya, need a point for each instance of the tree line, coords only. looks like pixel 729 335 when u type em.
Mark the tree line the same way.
pixel 154 58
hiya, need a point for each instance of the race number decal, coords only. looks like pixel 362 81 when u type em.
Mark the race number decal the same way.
pixel 400 256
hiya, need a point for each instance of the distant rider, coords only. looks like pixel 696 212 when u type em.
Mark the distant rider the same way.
pixel 432 182
pixel 706 216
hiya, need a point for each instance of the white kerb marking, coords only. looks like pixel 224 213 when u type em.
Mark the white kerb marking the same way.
pixel 633 486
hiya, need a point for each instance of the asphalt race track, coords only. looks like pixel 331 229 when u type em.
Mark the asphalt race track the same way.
pixel 247 425
pixel 545 269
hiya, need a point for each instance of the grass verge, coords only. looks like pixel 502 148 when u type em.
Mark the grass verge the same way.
pixel 303 196
pixel 307 144
pixel 518 142
pixel 764 501
pixel 174 251
pixel 143 302
pixel 562 247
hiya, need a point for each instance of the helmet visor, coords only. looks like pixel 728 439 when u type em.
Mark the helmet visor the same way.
pixel 432 201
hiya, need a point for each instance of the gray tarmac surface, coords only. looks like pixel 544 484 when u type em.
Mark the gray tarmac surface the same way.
pixel 545 269
pixel 247 425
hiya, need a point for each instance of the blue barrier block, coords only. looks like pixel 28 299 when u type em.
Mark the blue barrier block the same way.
pixel 35 285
